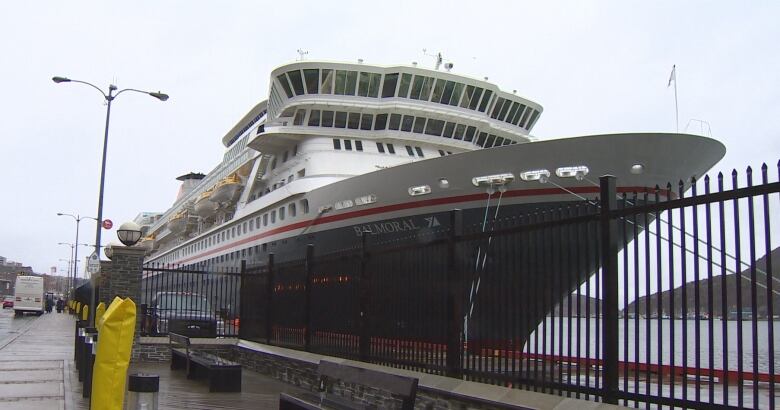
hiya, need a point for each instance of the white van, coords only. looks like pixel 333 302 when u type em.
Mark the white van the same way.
pixel 28 296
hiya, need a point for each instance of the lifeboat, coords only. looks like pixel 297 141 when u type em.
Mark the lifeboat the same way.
pixel 178 222
pixel 226 190
pixel 203 207
pixel 148 243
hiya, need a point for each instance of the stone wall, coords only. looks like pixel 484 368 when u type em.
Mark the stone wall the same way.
pixel 121 276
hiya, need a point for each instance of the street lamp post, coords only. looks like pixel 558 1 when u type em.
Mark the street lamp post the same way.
pixel 73 251
pixel 109 98
pixel 75 255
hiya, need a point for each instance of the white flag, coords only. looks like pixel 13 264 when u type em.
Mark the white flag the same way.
pixel 673 76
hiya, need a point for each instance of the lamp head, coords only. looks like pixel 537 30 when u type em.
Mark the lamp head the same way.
pixel 59 213
pixel 129 233
pixel 58 79
pixel 159 95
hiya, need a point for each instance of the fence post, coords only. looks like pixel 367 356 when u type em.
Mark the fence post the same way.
pixel 269 300
pixel 454 367
pixel 609 266
pixel 307 303
pixel 363 295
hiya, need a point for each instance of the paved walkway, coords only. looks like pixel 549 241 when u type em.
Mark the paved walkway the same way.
pixel 37 372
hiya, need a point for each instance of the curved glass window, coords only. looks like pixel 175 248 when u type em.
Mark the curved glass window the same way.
pixel 419 125
pixel 395 122
pixel 341 82
pixel 403 89
pixel 512 112
pixel 417 87
pixel 363 84
pixel 475 98
pixel 470 131
pixel 438 89
pixel 434 127
pixel 388 88
pixel 447 93
pixel 448 130
pixel 326 85
pixel 497 108
pixel 285 85
pixel 460 130
pixel 365 121
pixel 518 114
pixel 525 117
pixel 531 122
pixel 485 100
pixel 464 103
pixel 499 142
pixel 341 120
pixel 312 77
pixel 426 88
pixel 481 139
pixel 299 114
pixel 456 92
pixel 314 118
pixel 490 140
pixel 504 109
pixel 296 81
pixel 354 121
pixel 351 83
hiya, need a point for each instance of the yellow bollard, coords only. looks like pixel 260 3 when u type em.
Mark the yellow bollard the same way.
pixel 117 329
pixel 85 312
pixel 99 312
pixel 78 309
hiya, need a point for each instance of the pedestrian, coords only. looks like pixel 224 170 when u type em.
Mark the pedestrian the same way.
pixel 60 305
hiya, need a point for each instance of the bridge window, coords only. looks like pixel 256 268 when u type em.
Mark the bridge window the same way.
pixel 403 89
pixel 419 125
pixel 314 119
pixel 395 121
pixel 490 139
pixel 409 151
pixel 368 85
pixel 448 129
pixel 354 121
pixel 512 112
pixel 470 131
pixel 485 100
pixel 380 147
pixel 525 117
pixel 285 85
pixel 365 121
pixel 419 152
pixel 497 108
pixel 348 145
pixel 447 94
pixel 312 81
pixel 407 123
pixel 336 143
pixel 460 129
pixel 358 145
pixel 499 142
pixel 327 118
pixel 456 92
pixel 381 121
pixel 438 89
pixel 533 119
pixel 434 127
pixel 390 148
pixel 481 139
pixel 299 114
pixel 341 119
pixel 388 87
pixel 516 117
pixel 296 81
pixel 326 86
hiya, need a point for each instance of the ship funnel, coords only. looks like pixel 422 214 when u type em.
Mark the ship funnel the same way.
pixel 188 183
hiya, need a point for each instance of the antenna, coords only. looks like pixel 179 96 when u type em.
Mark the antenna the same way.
pixel 439 60
pixel 302 53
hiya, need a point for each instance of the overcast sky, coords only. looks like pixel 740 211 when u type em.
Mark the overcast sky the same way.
pixel 596 67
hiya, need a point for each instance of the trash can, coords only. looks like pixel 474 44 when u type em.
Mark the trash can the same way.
pixel 142 391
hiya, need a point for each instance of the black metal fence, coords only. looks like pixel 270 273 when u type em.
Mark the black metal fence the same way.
pixel 646 299
pixel 197 301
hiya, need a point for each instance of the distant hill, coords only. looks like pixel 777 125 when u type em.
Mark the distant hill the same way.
pixel 639 306
pixel 587 305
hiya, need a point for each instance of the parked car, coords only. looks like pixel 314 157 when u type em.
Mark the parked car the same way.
pixel 8 302
pixel 184 313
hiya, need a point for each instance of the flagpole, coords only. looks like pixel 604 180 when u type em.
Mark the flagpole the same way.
pixel 676 111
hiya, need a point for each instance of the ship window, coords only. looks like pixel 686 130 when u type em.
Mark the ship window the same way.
pixel 243 253
pixel 327 118
pixel 257 222
pixel 490 140
pixel 419 125
pixel 481 139
pixel 403 89
pixel 265 247
pixel 447 93
pixel 434 127
pixel 448 129
pixel 441 153
pixel 265 219
pixel 409 151
pixel 426 88
pixel 512 112
pixel 302 173
pixel 351 83
pixel 312 81
pixel 467 96
pixel 299 114
pixel 419 152
pixel 470 131
pixel 354 120
pixel 531 122
pixel 288 113
pixel 390 148
pixel 291 209
pixel 417 87
pixel 497 108
pixel 485 100
pixel 273 163
pixel 348 145
pixel 273 216
pixel 341 82
pixel 395 121
pixel 504 109
pixel 363 84
pixel 341 119
pixel 305 206
pixel 327 81
pixel 438 89
pixel 518 114
pixel 281 214
pixel 456 92
pixel 290 179
pixel 525 117
pixel 388 88
pixel 295 150
pixel 460 129
pixel 380 147
pixel 336 143
pixel 296 81
pixel 407 123
pixel 381 121
pixel 285 85
pixel 358 145
pixel 244 228
pixel 500 142
pixel 373 85
pixel 314 118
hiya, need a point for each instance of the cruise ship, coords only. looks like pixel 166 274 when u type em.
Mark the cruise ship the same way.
pixel 340 150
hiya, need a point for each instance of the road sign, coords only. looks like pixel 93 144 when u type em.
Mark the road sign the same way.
pixel 107 224
pixel 93 263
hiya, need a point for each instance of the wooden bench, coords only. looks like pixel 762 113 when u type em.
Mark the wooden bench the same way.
pixel 223 375
pixel 400 387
